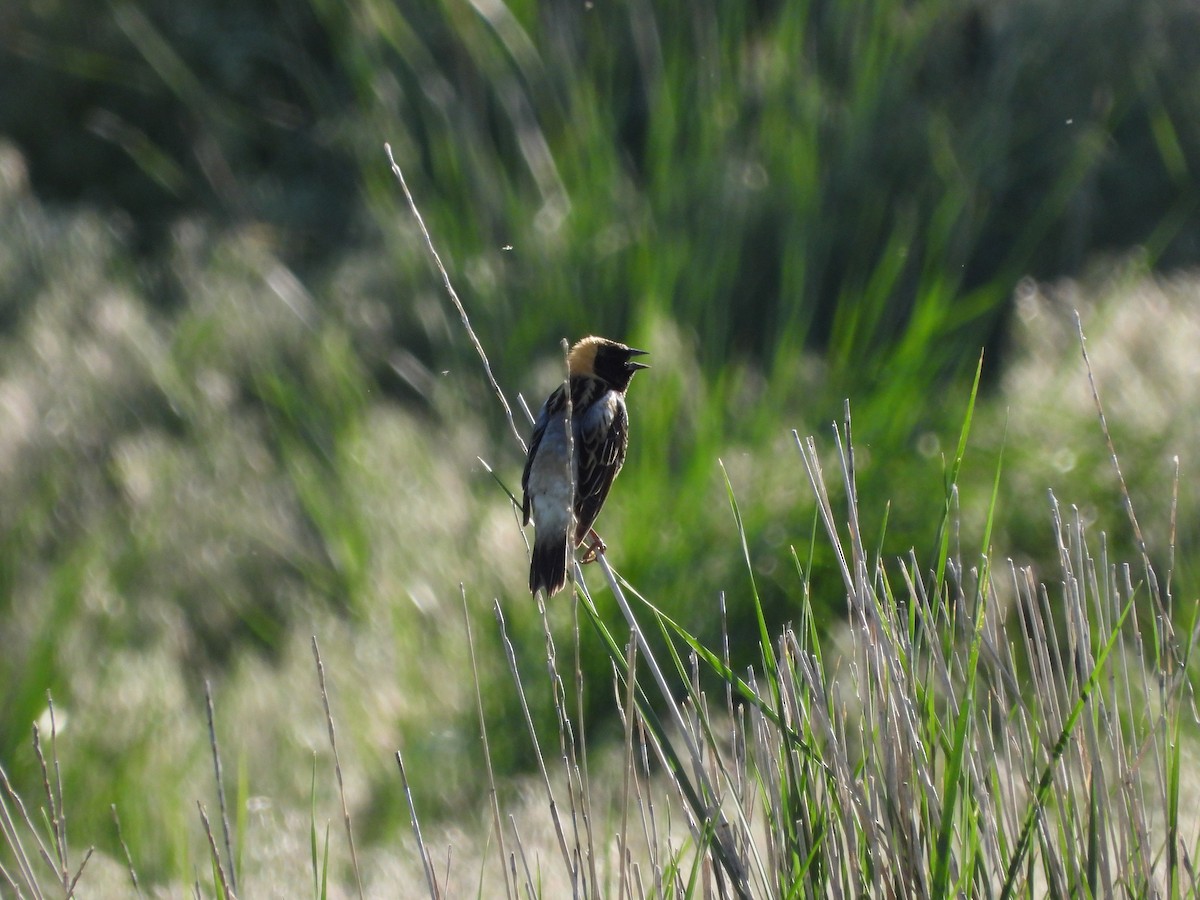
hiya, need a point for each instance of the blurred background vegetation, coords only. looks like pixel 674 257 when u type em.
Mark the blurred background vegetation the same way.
pixel 236 409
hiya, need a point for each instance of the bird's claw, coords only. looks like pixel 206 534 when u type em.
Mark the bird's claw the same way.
pixel 595 547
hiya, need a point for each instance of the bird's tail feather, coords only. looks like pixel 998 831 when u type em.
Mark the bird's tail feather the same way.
pixel 548 569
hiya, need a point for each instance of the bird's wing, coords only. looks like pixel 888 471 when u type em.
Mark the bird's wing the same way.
pixel 553 404
pixel 600 449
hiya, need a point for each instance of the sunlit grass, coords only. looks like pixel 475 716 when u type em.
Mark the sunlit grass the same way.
pixel 983 735
pixel 938 741
pixel 206 483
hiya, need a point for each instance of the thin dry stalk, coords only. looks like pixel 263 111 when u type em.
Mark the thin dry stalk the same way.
pixel 566 746
pixel 462 312
pixel 137 889
pixel 10 881
pixel 530 882
pixel 79 872
pixel 12 838
pixel 627 713
pixel 493 794
pixel 706 793
pixel 1164 617
pixel 220 780
pixel 426 864
pixel 59 863
pixel 511 656
pixel 582 744
pixel 646 802
pixel 337 766
pixel 60 812
pixel 223 881
pixel 449 862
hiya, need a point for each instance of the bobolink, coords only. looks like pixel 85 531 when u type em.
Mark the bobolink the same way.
pixel 599 374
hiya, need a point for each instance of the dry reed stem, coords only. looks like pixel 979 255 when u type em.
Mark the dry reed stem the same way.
pixel 219 776
pixel 337 766
pixel 462 312
pixel 222 880
pixel 511 656
pixel 426 864
pixel 493 794
pixel 137 888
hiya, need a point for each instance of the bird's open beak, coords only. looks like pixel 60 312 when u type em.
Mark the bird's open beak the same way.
pixel 634 366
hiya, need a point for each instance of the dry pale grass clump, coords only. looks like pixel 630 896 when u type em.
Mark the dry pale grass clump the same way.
pixel 952 744
pixel 1142 333
pixel 945 744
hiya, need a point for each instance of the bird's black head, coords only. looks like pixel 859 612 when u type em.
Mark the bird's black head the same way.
pixel 607 360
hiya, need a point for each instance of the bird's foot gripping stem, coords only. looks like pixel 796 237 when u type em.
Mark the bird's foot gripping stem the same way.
pixel 593 547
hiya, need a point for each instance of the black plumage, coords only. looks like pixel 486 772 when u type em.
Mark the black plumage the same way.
pixel 599 374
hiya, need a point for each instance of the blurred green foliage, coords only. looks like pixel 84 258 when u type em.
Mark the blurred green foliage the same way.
pixel 767 174
pixel 236 402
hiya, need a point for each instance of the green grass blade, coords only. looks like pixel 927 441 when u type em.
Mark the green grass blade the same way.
pixel 942 538
pixel 768 656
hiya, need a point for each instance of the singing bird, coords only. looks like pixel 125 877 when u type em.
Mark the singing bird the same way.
pixel 599 374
